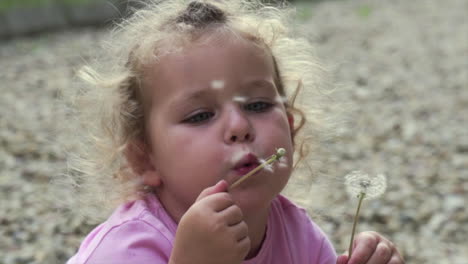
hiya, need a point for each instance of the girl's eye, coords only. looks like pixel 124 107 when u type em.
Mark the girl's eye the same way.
pixel 197 118
pixel 258 106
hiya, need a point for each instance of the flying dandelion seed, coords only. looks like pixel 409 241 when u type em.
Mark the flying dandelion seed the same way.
pixel 268 167
pixel 361 185
pixel 282 162
pixel 238 155
pixel 239 99
pixel 217 84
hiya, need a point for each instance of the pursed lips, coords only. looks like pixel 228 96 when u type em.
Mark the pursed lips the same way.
pixel 246 164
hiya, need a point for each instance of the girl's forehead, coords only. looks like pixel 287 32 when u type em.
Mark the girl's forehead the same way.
pixel 232 59
pixel 217 62
pixel 213 50
pixel 181 44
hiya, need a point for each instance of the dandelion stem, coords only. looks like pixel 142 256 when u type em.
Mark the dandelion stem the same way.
pixel 356 216
pixel 279 153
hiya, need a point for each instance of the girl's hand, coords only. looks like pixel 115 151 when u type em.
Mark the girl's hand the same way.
pixel 212 230
pixel 372 248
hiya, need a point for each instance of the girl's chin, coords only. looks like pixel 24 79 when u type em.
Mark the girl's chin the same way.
pixel 251 199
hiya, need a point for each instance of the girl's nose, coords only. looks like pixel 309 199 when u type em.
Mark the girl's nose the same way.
pixel 238 128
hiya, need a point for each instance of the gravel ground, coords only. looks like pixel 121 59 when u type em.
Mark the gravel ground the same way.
pixel 402 64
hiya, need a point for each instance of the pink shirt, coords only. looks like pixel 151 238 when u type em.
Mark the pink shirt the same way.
pixel 142 232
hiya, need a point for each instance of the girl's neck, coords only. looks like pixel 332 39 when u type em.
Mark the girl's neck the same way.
pixel 257 224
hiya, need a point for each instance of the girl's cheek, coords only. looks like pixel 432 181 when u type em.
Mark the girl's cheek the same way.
pixel 279 111
pixel 281 117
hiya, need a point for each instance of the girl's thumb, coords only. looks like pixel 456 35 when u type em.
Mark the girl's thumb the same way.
pixel 343 259
pixel 221 186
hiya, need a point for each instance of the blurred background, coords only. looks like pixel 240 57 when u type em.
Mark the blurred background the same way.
pixel 401 65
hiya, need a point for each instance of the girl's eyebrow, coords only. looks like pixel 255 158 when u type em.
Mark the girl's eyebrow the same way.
pixel 194 95
pixel 185 98
pixel 264 84
pixel 260 83
pixel 246 88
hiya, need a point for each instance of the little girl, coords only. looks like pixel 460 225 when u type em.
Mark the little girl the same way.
pixel 197 100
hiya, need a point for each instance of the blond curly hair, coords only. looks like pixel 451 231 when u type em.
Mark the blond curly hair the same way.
pixel 112 106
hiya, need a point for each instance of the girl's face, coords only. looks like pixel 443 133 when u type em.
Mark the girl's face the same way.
pixel 215 110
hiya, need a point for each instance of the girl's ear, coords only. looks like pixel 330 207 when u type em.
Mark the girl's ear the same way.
pixel 140 162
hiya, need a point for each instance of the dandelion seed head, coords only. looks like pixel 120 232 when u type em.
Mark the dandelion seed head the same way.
pixel 358 182
pixel 239 99
pixel 217 84
pixel 280 152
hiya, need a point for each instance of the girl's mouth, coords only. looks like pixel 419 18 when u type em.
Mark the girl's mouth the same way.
pixel 246 168
pixel 246 164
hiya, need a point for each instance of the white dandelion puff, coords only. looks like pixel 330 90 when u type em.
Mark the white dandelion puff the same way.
pixel 217 84
pixel 358 182
pixel 361 185
pixel 239 99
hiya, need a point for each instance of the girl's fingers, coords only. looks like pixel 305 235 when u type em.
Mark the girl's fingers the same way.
pixel 216 197
pixel 221 186
pixel 364 246
pixel 343 259
pixel 382 254
pixel 232 215
pixel 244 246
pixel 372 248
pixel 239 231
pixel 396 259
pixel 219 201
